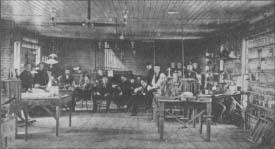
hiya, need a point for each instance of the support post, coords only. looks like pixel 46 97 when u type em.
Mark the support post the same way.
pixel 26 114
pixel 57 119
pixel 201 123
pixel 182 52
pixel 161 119
pixel 208 120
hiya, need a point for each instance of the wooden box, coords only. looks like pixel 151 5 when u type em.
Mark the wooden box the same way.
pixel 8 128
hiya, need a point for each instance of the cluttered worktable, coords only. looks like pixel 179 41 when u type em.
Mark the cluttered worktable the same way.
pixel 45 100
pixel 196 102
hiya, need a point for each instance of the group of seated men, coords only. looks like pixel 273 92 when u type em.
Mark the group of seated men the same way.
pixel 127 92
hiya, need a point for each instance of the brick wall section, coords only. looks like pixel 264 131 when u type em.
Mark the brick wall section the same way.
pixel 74 52
pixel 6 53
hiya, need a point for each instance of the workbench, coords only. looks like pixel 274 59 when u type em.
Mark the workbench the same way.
pixel 195 102
pixel 45 102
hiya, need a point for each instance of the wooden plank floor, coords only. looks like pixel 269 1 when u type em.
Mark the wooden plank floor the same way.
pixel 119 130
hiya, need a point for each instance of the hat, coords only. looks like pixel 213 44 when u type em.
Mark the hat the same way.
pixel 53 55
pixel 51 61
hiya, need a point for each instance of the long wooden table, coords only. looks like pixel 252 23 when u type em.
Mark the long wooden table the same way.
pixel 161 101
pixel 45 102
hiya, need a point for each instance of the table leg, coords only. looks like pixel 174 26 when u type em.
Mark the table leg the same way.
pixel 70 115
pixel 194 116
pixel 208 120
pixel 26 124
pixel 57 119
pixel 16 130
pixel 161 119
pixel 155 108
pixel 157 116
pixel 222 112
pixel 200 123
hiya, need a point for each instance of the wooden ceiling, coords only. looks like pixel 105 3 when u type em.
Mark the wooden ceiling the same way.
pixel 147 19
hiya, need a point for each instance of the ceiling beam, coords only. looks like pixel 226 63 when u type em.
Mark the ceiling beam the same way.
pixel 86 35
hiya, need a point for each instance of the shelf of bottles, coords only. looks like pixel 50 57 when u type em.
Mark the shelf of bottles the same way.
pixel 261 61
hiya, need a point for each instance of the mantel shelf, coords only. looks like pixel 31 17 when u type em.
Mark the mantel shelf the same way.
pixel 256 47
pixel 261 58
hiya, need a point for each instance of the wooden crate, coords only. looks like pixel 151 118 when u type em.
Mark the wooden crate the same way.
pixel 7 138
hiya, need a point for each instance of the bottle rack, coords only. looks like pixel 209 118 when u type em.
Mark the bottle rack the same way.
pixel 261 61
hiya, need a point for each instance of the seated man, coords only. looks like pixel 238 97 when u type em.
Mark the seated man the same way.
pixel 133 84
pixel 102 91
pixel 66 81
pixel 124 93
pixel 41 78
pixel 143 95
pixel 26 78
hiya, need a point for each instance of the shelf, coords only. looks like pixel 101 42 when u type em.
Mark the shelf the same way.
pixel 229 59
pixel 259 34
pixel 235 74
pixel 262 71
pixel 261 107
pixel 260 58
pixel 260 93
pixel 258 82
pixel 256 47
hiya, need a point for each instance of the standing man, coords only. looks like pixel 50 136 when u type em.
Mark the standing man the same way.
pixel 150 72
pixel 26 78
pixel 158 79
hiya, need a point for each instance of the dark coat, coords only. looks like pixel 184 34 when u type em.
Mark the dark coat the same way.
pixel 66 81
pixel 191 74
pixel 149 76
pixel 26 80
pixel 103 89
pixel 41 78
pixel 125 88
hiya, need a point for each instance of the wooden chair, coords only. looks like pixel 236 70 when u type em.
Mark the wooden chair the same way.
pixel 101 105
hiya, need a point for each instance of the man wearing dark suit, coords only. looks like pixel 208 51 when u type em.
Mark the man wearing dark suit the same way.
pixel 102 91
pixel 143 96
pixel 123 98
pixel 41 78
pixel 67 79
pixel 26 78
